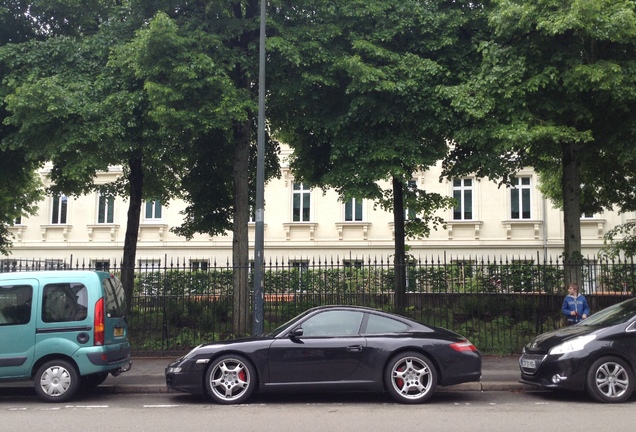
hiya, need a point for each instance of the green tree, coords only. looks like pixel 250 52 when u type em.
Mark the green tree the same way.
pixel 355 92
pixel 555 92
pixel 203 95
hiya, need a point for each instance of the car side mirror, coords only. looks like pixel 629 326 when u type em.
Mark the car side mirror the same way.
pixel 296 333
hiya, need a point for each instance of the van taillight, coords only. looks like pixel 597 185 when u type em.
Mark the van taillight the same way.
pixel 98 325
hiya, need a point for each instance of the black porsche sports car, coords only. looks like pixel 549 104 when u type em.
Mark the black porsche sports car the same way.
pixel 331 348
pixel 597 355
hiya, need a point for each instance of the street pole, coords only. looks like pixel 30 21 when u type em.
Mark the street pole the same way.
pixel 258 316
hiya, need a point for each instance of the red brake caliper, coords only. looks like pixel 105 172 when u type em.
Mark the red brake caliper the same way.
pixel 400 381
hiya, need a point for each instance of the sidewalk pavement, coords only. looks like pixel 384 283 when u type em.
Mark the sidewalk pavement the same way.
pixel 147 376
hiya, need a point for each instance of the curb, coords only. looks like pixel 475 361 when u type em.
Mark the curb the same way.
pixel 465 387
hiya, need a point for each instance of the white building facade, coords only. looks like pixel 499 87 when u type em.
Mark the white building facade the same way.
pixel 303 224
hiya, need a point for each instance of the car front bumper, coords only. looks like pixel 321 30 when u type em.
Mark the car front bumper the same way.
pixel 186 375
pixel 564 372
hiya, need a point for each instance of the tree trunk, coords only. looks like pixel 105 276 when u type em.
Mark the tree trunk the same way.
pixel 571 186
pixel 400 258
pixel 136 181
pixel 240 240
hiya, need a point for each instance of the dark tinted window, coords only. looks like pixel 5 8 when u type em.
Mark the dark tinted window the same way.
pixel 378 324
pixel 114 297
pixel 15 304
pixel 333 323
pixel 64 302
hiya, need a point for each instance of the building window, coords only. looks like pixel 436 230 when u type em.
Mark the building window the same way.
pixel 353 210
pixel 520 198
pixel 588 215
pixel 60 209
pixel 17 221
pixel 101 265
pixel 153 210
pixel 410 214
pixel 301 203
pixel 105 209
pixel 199 265
pixel 463 195
pixel 299 275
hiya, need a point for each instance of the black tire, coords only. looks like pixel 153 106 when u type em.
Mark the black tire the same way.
pixel 56 381
pixel 230 379
pixel 410 378
pixel 610 380
pixel 90 382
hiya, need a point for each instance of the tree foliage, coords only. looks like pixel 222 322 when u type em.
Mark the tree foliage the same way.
pixel 356 95
pixel 556 92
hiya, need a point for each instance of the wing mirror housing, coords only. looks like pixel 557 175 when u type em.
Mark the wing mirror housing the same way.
pixel 296 333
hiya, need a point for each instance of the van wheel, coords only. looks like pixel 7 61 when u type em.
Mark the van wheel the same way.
pixel 56 381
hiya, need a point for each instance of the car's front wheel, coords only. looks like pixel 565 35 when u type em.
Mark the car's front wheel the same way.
pixel 610 380
pixel 410 377
pixel 56 381
pixel 230 379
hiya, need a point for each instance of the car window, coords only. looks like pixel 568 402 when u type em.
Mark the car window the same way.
pixel 377 324
pixel 15 304
pixel 114 296
pixel 616 314
pixel 63 302
pixel 333 323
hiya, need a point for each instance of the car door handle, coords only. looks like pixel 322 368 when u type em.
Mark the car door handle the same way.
pixel 354 348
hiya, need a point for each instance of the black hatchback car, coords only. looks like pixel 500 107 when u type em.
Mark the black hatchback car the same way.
pixel 598 355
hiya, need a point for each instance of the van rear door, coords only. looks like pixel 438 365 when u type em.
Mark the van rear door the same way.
pixel 115 322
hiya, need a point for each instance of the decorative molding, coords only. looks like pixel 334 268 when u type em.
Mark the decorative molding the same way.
pixel 457 223
pixel 600 225
pixel 110 228
pixel 309 226
pixel 364 226
pixel 161 229
pixel 65 229
pixel 18 231
pixel 509 225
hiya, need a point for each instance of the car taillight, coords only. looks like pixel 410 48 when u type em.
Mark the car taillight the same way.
pixel 98 324
pixel 463 346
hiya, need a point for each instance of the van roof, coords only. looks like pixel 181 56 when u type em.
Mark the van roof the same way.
pixel 54 274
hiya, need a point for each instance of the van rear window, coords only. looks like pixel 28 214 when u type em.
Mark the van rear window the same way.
pixel 114 297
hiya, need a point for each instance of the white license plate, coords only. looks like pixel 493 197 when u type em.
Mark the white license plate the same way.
pixel 530 364
pixel 118 332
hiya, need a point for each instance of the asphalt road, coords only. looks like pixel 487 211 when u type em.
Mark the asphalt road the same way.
pixel 447 411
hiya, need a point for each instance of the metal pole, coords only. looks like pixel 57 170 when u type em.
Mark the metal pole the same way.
pixel 258 325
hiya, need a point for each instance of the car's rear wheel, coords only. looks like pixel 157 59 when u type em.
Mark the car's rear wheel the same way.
pixel 410 377
pixel 230 379
pixel 56 381
pixel 610 380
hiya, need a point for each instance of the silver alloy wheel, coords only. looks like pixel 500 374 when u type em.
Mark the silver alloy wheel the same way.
pixel 612 380
pixel 55 381
pixel 229 379
pixel 412 378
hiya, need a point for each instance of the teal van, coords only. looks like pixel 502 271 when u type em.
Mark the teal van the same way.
pixel 65 330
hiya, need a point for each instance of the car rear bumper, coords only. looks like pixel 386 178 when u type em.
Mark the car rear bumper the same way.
pixel 110 358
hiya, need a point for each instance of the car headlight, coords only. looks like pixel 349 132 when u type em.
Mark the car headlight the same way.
pixel 191 353
pixel 575 344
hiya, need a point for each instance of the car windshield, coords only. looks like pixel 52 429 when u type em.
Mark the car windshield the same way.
pixel 616 314
pixel 280 329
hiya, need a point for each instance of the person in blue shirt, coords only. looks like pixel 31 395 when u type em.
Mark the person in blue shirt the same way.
pixel 575 306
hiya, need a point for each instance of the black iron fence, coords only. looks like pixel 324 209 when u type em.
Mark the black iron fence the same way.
pixel 499 304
